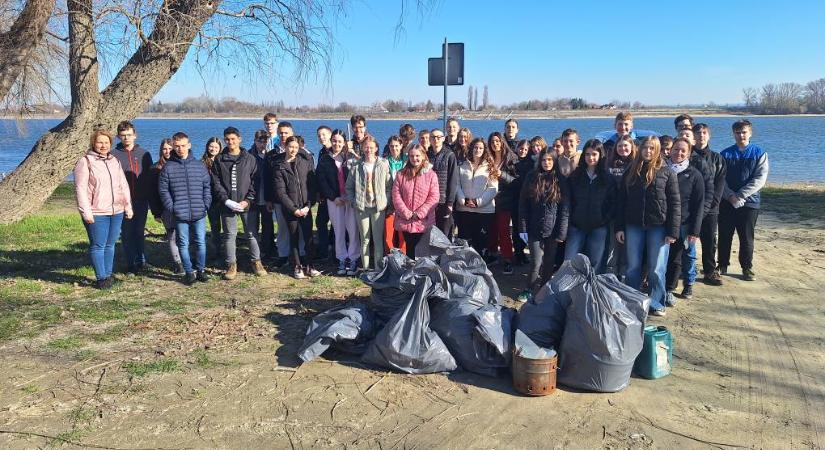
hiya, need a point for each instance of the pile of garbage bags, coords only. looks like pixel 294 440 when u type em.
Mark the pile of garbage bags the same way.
pixel 443 311
pixel 433 314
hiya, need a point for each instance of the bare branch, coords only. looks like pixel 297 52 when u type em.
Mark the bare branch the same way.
pixel 18 44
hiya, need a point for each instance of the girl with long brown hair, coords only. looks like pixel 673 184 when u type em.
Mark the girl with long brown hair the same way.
pixel 414 196
pixel 156 206
pixel 475 199
pixel 649 217
pixel 543 215
pixel 501 240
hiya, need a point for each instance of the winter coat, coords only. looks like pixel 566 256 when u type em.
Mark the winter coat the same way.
pixel 592 202
pixel 719 168
pixel 328 174
pixel 523 168
pixel 381 185
pixel 542 219
pixel 506 181
pixel 262 175
pixel 137 165
pixel 418 194
pixel 705 169
pixel 294 188
pixel 475 184
pixel 185 188
pixel 101 187
pixel 155 203
pixel 446 168
pixel 646 206
pixel 567 164
pixel 246 169
pixel 692 197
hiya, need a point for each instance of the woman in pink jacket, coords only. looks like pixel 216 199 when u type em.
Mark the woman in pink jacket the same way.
pixel 414 195
pixel 103 199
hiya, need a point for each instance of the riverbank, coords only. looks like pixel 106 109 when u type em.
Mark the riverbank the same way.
pixel 154 363
pixel 464 115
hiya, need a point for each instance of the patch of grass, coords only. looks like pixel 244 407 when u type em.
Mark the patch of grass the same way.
pixel 80 414
pixel 806 204
pixel 30 389
pixel 139 369
pixel 203 360
pixel 110 334
pixel 73 436
pixel 66 343
pixel 170 306
pixel 104 310
pixel 85 355
pixel 9 326
pixel 47 315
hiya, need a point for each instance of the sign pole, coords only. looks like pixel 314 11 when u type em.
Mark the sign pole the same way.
pixel 444 55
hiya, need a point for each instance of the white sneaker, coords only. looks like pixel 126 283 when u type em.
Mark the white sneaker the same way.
pixel 312 272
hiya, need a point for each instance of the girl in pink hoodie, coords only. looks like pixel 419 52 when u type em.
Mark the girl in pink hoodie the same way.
pixel 414 195
pixel 103 199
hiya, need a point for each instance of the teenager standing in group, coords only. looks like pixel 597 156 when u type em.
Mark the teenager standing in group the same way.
pixel 333 169
pixel 544 209
pixel 103 199
pixel 260 215
pixel 324 134
pixel 294 187
pixel 511 133
pixel 681 261
pixel 710 221
pixel 234 173
pixel 477 189
pixel 525 163
pixel 648 219
pixel 156 206
pixel 747 173
pixel 396 157
pixel 617 163
pixel 185 189
pixel 212 150
pixel 136 163
pixel 369 186
pixel 445 166
pixel 500 240
pixel 592 206
pixel 415 195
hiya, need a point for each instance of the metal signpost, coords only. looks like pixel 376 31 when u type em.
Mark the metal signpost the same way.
pixel 449 74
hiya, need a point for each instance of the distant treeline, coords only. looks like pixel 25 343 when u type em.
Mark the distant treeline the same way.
pixel 786 98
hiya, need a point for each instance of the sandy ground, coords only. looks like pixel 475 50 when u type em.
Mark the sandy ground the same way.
pixel 748 373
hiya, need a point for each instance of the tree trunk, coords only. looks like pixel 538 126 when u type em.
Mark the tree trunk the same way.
pixel 17 44
pixel 26 189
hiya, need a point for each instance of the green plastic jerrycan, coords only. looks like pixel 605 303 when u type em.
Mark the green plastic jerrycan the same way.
pixel 655 360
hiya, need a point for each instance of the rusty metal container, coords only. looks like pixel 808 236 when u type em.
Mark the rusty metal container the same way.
pixel 534 377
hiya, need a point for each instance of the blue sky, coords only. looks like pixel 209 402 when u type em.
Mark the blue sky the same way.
pixel 653 52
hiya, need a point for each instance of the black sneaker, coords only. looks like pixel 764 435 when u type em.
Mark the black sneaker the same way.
pixel 202 276
pixel 177 268
pixel 508 268
pixel 189 278
pixel 687 291
pixel 748 275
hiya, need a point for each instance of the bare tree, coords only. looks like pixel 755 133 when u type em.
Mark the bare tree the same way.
pixel 815 96
pixel 142 44
pixel 751 97
pixel 18 44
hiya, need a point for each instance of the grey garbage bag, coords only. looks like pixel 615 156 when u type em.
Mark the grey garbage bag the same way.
pixel 603 334
pixel 433 243
pixel 468 275
pixel 476 337
pixel 406 343
pixel 389 292
pixel 542 318
pixel 349 328
pixel 526 348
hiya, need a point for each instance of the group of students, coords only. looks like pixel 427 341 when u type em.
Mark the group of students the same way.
pixel 630 203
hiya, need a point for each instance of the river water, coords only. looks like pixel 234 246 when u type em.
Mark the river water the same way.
pixel 794 144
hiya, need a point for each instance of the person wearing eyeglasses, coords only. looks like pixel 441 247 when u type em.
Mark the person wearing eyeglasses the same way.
pixel 260 213
pixel 445 166
pixel 271 127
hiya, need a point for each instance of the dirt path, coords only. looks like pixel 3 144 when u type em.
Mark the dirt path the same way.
pixel 748 373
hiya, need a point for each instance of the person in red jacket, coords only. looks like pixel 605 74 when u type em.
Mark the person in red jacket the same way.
pixel 414 196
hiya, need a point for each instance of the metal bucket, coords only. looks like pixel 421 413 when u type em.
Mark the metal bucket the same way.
pixel 534 377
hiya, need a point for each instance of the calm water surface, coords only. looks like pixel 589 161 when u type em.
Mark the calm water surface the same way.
pixel 795 144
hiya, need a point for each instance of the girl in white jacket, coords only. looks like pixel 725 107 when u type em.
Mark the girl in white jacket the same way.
pixel 475 201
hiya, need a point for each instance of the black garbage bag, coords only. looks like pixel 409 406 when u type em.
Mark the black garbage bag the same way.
pixel 348 328
pixel 603 333
pixel 406 343
pixel 543 317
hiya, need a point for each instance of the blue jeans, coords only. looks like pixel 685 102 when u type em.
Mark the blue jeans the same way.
pixel 132 236
pixel 652 239
pixel 593 242
pixel 198 229
pixel 103 236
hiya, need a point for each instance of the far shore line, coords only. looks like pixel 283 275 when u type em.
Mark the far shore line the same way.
pixel 436 116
